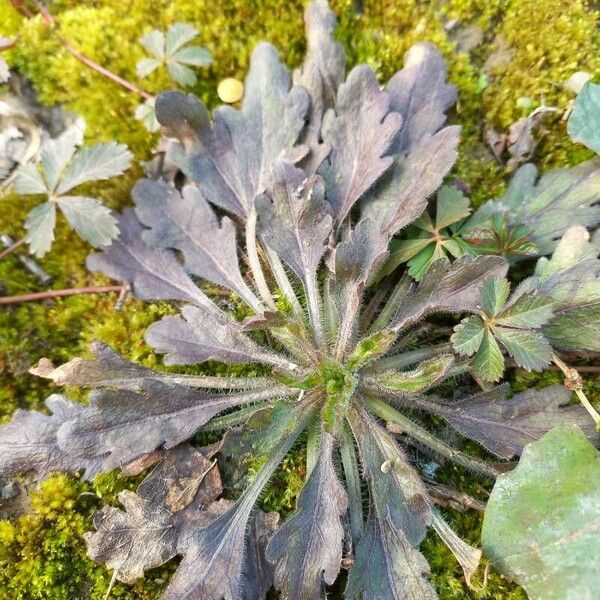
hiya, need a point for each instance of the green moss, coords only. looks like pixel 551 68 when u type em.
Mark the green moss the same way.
pixel 42 554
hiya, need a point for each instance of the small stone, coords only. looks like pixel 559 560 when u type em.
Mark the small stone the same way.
pixel 230 90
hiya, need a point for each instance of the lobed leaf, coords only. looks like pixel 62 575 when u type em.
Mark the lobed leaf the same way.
pixel 91 220
pixel 200 336
pixel 29 442
pixel 307 548
pixel 231 160
pixel 121 425
pixel 450 288
pixel 504 426
pixel 295 219
pixel 360 134
pixel 321 74
pixel 153 273
pixel 146 533
pixel 186 222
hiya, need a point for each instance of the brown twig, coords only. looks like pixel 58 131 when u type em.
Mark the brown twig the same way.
pixel 60 293
pixel 51 22
pixel 12 248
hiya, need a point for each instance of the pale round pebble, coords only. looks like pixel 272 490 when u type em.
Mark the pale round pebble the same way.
pixel 230 90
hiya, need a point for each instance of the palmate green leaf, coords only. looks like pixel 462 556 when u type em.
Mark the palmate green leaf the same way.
pixel 489 362
pixel 91 220
pixel 173 52
pixel 528 311
pixel 584 121
pixel 529 348
pixel 419 264
pixel 494 294
pixel 468 335
pixel 146 113
pixel 62 168
pixel 541 521
pixel 40 225
pixel 95 163
pixel 451 206
pixel 29 180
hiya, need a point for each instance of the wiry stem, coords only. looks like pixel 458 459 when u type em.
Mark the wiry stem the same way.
pixel 574 382
pixel 59 294
pixel 254 262
pixel 388 413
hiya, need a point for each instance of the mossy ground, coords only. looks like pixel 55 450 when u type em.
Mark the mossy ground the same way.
pixel 42 554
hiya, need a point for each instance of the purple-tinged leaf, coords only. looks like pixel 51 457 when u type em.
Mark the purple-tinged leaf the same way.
pixel 401 195
pixel 295 219
pixel 505 425
pixel 360 134
pixel 387 565
pixel 154 274
pixel 307 548
pixel 321 73
pixel 199 336
pixel 29 442
pixel 185 221
pixel 212 563
pixel 231 161
pixel 421 94
pixel 145 534
pixel 121 425
pixel 450 288
pixel 396 489
pixel 425 154
pixel 560 199
pixel 109 369
pixel 355 262
pixel 257 576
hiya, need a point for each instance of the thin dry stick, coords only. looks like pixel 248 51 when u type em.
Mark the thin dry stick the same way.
pixel 574 382
pixel 51 22
pixel 12 248
pixel 60 293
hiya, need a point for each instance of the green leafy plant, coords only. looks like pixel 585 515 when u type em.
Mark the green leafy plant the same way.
pixel 320 175
pixel 62 168
pixel 173 51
